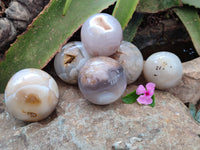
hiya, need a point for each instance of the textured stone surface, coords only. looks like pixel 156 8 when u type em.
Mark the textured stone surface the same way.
pixel 78 124
pixel 188 88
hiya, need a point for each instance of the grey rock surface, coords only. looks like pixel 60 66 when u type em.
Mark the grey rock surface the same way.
pixel 188 88
pixel 19 14
pixel 7 31
pixel 78 124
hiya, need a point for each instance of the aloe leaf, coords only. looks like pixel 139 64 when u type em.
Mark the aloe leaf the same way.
pixel 124 10
pixel 191 20
pixel 67 4
pixel 46 35
pixel 131 29
pixel 192 109
pixel 195 3
pixel 154 6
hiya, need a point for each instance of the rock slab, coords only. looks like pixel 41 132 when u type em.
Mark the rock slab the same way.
pixel 78 124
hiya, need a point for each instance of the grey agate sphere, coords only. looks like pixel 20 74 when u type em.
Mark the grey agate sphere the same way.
pixel 102 80
pixel 131 59
pixel 101 35
pixel 164 69
pixel 68 62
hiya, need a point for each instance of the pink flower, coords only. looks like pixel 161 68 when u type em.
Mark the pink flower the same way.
pixel 145 94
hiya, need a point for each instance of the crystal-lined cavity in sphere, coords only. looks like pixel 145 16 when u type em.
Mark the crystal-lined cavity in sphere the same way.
pixel 31 95
pixel 68 62
pixel 130 57
pixel 164 69
pixel 102 80
pixel 101 35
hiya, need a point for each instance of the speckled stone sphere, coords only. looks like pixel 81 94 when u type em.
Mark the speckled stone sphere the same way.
pixel 101 35
pixel 102 80
pixel 164 69
pixel 131 59
pixel 68 62
pixel 31 95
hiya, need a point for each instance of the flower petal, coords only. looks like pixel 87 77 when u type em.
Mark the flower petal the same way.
pixel 146 100
pixel 150 88
pixel 140 90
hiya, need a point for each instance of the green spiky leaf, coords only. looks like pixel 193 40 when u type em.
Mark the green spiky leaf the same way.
pixel 67 4
pixel 191 20
pixel 195 3
pixel 124 10
pixel 154 6
pixel 131 29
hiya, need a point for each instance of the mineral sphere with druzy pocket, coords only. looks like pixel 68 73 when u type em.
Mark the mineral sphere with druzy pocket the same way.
pixel 102 80
pixel 101 35
pixel 130 57
pixel 31 95
pixel 164 69
pixel 68 62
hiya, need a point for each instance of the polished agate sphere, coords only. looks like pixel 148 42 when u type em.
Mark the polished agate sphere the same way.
pixel 164 69
pixel 130 57
pixel 68 62
pixel 102 80
pixel 101 35
pixel 31 95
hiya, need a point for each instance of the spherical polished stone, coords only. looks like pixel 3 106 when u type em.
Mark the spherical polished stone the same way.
pixel 31 95
pixel 68 62
pixel 164 69
pixel 102 80
pixel 101 34
pixel 130 57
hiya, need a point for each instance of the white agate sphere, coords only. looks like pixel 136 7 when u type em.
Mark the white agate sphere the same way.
pixel 131 59
pixel 101 34
pixel 68 62
pixel 164 69
pixel 31 95
pixel 102 80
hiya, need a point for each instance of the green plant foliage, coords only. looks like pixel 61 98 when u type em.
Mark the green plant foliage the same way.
pixel 192 109
pixel 67 4
pixel 195 3
pixel 124 10
pixel 191 20
pixel 197 117
pixel 153 103
pixel 154 6
pixel 130 98
pixel 131 29
pixel 46 35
